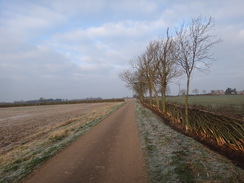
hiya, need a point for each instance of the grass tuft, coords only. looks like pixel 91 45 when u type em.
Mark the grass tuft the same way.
pixel 58 135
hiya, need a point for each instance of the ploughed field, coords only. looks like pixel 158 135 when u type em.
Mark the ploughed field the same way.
pixel 19 125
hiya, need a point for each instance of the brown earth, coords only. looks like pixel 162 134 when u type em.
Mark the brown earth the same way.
pixel 22 124
pixel 109 152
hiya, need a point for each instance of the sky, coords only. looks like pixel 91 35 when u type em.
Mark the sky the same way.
pixel 76 49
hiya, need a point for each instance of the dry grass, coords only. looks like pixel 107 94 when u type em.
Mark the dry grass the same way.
pixel 58 135
pixel 22 158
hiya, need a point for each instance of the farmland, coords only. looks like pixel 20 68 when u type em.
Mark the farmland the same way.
pixel 29 135
pixel 18 124
pixel 232 105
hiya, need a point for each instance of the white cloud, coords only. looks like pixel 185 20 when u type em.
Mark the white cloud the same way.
pixel 76 7
pixel 124 29
pixel 136 7
pixel 241 34
pixel 105 44
pixel 30 17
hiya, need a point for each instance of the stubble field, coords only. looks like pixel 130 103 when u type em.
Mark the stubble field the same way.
pixel 21 124
pixel 30 135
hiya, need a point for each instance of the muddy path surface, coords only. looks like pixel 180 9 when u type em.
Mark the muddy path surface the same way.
pixel 109 152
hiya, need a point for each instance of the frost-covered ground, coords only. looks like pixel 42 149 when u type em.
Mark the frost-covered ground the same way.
pixel 173 157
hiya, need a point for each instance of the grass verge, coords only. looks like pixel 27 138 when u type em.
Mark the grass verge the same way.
pixel 173 157
pixel 22 160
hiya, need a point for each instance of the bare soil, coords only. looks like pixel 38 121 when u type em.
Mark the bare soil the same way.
pixel 109 152
pixel 22 124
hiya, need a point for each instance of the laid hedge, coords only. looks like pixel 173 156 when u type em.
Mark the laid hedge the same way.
pixel 221 130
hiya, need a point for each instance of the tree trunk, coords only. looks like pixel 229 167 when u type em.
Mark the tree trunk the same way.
pixel 150 94
pixel 163 91
pixel 142 98
pixel 156 95
pixel 140 92
pixel 186 104
pixel 164 85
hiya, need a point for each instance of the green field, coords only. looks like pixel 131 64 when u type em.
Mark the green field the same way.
pixel 231 104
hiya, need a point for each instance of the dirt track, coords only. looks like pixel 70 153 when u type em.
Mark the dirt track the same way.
pixel 109 152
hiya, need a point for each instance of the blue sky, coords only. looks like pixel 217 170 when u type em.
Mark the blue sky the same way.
pixel 76 49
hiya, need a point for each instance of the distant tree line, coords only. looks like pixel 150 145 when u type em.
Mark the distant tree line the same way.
pixel 43 101
pixel 170 57
pixel 228 91
pixel 50 100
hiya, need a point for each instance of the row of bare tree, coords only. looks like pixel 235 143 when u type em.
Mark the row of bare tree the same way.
pixel 170 57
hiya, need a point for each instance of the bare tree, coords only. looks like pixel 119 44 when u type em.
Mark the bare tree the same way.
pixel 166 65
pixel 182 92
pixel 146 64
pixel 135 81
pixel 195 91
pixel 204 91
pixel 194 43
pixel 151 68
